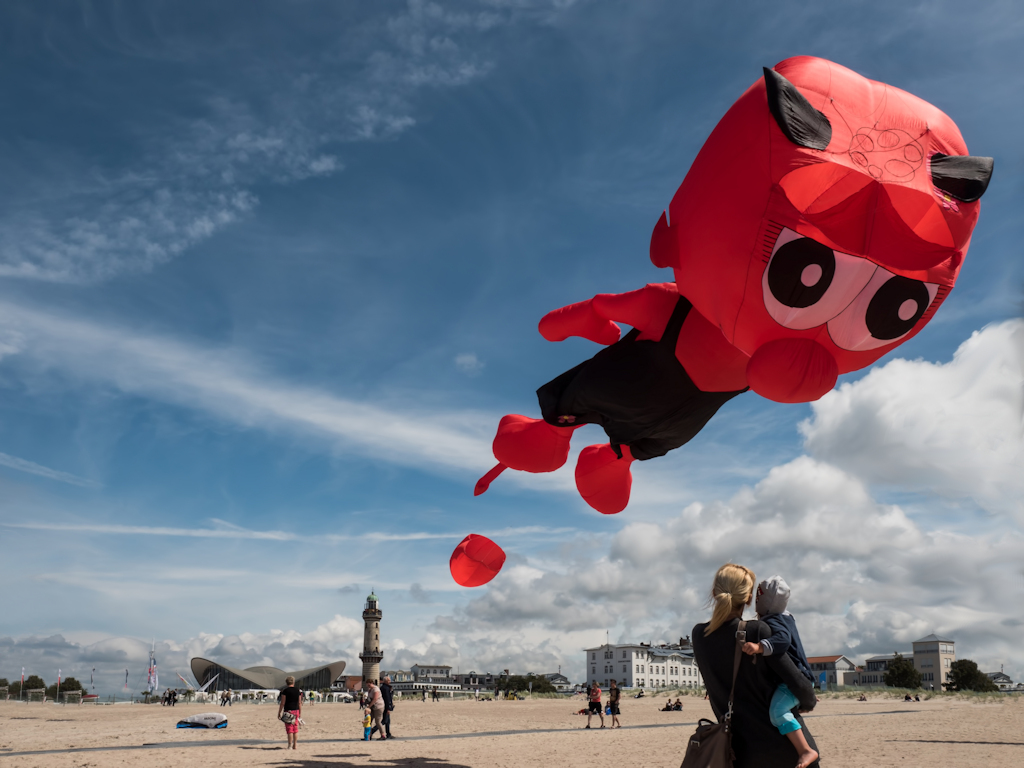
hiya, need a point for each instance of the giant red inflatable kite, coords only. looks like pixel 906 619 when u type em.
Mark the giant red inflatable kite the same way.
pixel 822 224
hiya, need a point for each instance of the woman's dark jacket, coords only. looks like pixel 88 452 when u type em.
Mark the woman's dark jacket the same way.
pixel 757 742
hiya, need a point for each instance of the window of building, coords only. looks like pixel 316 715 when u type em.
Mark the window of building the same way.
pixel 593 656
pixel 946 665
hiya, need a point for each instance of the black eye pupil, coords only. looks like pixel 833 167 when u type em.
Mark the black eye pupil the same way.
pixel 896 307
pixel 801 272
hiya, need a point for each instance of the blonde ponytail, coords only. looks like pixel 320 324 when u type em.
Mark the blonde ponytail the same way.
pixel 732 589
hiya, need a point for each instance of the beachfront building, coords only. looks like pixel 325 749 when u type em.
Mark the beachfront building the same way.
pixel 475 681
pixel 1002 680
pixel 225 678
pixel 640 665
pixel 875 668
pixel 560 681
pixel 933 657
pixel 426 677
pixel 371 655
pixel 838 671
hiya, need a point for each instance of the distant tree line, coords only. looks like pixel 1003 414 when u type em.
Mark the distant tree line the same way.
pixel 519 683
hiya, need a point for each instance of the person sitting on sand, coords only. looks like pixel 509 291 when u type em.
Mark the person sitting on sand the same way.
pixel 862 697
pixel 667 707
pixel 772 598
pixel 678 706
pixel 907 697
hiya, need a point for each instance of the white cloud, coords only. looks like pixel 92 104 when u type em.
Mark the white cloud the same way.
pixel 953 429
pixel 196 176
pixel 228 386
pixel 30 467
pixel 866 577
pixel 469 363
pixel 242 534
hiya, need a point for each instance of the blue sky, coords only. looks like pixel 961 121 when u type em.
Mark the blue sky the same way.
pixel 271 272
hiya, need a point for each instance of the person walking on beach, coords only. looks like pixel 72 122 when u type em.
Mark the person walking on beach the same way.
pixel 433 694
pixel 389 705
pixel 290 703
pixel 376 708
pixel 595 704
pixel 614 694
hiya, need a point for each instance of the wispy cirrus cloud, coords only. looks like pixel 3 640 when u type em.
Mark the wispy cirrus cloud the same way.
pixel 30 467
pixel 228 386
pixel 237 532
pixel 186 178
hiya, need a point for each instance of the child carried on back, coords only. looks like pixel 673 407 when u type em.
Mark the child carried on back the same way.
pixel 772 598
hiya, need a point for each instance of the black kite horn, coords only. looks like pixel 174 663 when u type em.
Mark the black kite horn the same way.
pixel 964 177
pixel 803 124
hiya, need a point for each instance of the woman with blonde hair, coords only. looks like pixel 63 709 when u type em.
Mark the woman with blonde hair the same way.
pixel 756 742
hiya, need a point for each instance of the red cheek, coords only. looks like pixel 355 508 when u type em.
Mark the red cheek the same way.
pixel 792 371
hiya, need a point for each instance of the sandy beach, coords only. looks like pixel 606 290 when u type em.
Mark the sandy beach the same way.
pixel 944 731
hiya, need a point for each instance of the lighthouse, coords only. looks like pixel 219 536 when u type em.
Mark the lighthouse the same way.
pixel 371 655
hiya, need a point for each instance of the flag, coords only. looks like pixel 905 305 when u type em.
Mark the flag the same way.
pixel 58 678
pixel 186 682
pixel 126 679
pixel 91 675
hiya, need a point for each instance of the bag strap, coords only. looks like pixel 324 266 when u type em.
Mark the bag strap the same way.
pixel 741 638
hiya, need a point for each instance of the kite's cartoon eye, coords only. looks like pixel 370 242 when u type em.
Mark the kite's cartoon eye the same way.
pixel 885 311
pixel 806 283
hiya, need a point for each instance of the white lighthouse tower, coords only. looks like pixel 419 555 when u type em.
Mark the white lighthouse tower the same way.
pixel 371 655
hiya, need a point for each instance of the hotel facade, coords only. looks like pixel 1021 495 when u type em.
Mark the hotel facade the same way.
pixel 639 665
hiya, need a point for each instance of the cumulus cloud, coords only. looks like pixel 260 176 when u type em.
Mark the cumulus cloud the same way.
pixel 953 429
pixel 867 578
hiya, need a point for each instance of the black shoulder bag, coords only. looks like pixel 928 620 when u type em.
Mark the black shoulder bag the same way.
pixel 711 744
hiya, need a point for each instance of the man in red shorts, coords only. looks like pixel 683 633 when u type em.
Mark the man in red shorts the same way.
pixel 595 704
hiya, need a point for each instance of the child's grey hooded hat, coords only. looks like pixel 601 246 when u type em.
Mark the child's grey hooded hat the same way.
pixel 772 596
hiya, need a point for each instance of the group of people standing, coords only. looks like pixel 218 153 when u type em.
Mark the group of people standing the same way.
pixel 377 702
pixel 594 697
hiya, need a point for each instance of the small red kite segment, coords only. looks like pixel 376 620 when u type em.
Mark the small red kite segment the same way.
pixel 823 224
pixel 476 561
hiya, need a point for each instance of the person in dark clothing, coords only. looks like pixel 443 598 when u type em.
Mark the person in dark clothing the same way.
pixel 756 742
pixel 389 705
pixel 290 700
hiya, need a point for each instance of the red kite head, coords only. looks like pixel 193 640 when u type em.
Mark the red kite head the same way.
pixel 822 224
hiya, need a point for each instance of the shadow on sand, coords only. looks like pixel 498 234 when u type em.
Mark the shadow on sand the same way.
pixel 364 761
pixel 949 741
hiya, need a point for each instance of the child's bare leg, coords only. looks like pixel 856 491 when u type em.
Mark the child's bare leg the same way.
pixel 806 755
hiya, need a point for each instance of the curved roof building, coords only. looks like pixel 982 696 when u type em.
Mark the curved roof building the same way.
pixel 263 677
